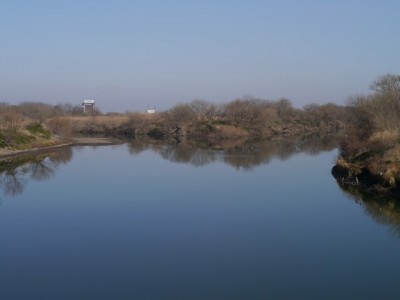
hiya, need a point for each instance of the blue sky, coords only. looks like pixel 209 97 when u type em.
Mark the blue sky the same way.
pixel 128 55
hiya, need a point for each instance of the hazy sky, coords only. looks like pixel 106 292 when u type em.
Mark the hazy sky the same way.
pixel 128 55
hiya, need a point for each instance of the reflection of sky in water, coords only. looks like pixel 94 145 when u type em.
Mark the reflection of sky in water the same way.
pixel 112 225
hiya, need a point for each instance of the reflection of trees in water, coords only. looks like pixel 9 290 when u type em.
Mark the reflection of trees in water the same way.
pixel 139 146
pixel 239 155
pixel 175 152
pixel 62 156
pixel 12 182
pixel 383 209
pixel 249 156
pixel 184 153
pixel 41 170
pixel 314 144
pixel 14 171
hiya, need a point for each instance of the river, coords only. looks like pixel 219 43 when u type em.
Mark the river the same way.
pixel 152 220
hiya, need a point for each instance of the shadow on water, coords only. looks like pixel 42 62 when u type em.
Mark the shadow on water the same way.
pixel 383 209
pixel 243 155
pixel 16 172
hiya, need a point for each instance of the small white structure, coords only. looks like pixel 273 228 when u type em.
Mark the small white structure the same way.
pixel 151 110
pixel 88 105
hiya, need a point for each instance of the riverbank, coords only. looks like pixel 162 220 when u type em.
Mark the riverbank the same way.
pixel 371 165
pixel 5 153
pixel 57 144
pixel 160 126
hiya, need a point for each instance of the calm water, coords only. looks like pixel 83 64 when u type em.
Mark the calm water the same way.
pixel 153 221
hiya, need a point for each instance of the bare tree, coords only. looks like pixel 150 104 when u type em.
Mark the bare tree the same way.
pixel 36 110
pixel 181 113
pixel 203 110
pixel 245 112
pixel 388 84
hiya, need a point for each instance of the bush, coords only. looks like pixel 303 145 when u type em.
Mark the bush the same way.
pixel 38 129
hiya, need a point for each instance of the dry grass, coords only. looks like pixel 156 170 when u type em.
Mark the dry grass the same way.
pixel 391 175
pixel 230 131
pixel 65 126
pixel 385 137
pixel 106 120
pixel 393 155
pixel 342 163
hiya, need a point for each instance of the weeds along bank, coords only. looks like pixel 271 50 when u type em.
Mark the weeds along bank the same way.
pixel 24 137
pixel 369 157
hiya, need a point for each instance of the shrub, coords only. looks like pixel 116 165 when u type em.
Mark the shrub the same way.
pixel 38 129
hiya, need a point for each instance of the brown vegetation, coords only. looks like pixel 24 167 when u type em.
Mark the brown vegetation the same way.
pixel 370 153
pixel 372 147
pixel 239 119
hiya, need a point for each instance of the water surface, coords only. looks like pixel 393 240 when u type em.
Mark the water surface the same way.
pixel 165 221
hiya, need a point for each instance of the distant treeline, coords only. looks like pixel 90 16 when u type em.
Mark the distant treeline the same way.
pixel 372 121
pixel 256 116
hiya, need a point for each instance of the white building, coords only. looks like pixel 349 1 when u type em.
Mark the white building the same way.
pixel 88 105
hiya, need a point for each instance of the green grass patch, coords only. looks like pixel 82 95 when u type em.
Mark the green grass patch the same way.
pixel 21 140
pixel 16 139
pixel 38 129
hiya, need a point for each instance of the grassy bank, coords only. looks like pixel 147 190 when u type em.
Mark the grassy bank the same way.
pixel 25 138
